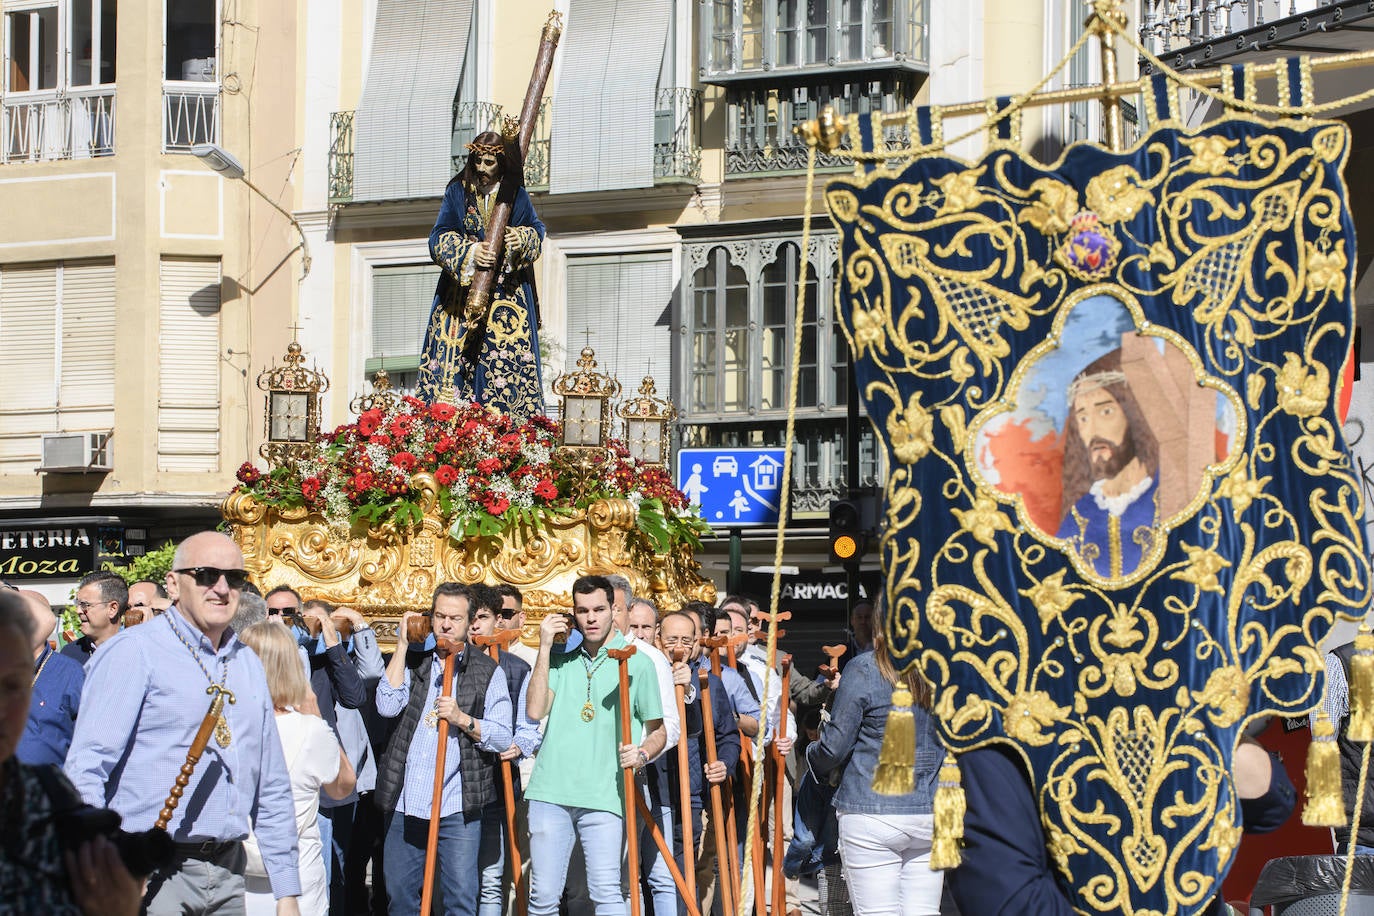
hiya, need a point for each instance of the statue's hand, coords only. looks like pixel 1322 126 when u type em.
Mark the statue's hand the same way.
pixel 485 255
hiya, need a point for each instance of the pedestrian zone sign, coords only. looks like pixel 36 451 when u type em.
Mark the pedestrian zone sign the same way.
pixel 735 487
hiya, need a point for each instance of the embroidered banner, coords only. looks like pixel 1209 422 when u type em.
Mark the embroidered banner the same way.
pixel 1121 514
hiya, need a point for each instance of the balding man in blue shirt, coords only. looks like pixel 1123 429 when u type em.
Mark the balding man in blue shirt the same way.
pixel 146 695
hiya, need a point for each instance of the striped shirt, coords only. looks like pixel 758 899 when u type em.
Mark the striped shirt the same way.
pixel 144 700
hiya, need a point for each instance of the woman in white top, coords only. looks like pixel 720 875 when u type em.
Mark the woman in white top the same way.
pixel 314 759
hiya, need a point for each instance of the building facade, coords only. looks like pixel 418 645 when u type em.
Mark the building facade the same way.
pixel 141 293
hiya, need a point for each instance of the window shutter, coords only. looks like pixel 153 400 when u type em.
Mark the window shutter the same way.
pixel 403 128
pixel 603 109
pixel 625 301
pixel 401 301
pixel 28 326
pixel 188 378
pixel 87 383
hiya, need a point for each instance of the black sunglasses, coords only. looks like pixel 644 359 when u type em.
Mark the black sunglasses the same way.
pixel 507 613
pixel 207 576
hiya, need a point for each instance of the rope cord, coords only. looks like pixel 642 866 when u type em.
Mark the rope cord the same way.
pixel 770 680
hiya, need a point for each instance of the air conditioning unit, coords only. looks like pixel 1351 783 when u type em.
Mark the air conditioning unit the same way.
pixel 76 453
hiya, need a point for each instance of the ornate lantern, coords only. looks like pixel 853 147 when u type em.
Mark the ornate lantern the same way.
pixel 383 396
pixel 293 406
pixel 646 419
pixel 586 395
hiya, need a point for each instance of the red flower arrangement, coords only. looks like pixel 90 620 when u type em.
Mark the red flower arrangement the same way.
pixel 492 473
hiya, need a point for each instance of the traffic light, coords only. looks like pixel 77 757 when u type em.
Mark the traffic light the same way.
pixel 852 523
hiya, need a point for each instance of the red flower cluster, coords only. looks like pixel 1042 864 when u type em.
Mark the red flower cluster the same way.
pixel 484 463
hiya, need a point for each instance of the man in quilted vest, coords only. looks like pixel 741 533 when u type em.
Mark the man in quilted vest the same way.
pixel 479 717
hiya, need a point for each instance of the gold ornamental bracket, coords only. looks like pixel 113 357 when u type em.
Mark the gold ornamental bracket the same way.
pixel 648 419
pixel 383 396
pixel 1107 24
pixel 292 406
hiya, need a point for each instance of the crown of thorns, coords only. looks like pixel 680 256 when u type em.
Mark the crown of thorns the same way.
pixel 494 149
pixel 1086 383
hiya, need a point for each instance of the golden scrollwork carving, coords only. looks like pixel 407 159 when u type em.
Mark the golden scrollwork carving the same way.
pixel 384 572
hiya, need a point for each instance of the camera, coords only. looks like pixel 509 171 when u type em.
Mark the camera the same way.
pixel 142 853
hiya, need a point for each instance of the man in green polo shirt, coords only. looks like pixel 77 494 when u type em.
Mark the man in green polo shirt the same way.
pixel 576 790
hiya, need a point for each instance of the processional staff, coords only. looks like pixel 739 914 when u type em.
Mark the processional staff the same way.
pixel 725 876
pixel 210 724
pixel 730 853
pixel 494 644
pixel 622 657
pixel 448 650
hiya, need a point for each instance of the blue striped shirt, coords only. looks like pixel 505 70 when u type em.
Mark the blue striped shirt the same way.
pixel 143 702
pixel 417 795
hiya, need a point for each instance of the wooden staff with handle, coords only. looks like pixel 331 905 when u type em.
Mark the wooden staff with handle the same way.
pixel 689 902
pixel 834 653
pixel 622 657
pixel 731 827
pixel 779 780
pixel 448 650
pixel 484 278
pixel 218 694
pixel 755 850
pixel 494 644
pixel 684 786
pixel 725 853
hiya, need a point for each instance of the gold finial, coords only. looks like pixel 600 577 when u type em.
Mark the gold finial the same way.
pixel 553 26
pixel 825 132
pixel 510 128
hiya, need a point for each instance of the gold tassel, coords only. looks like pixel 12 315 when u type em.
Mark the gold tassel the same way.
pixel 896 770
pixel 1325 807
pixel 949 817
pixel 1361 727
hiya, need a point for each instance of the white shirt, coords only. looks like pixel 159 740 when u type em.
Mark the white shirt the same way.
pixel 756 663
pixel 667 694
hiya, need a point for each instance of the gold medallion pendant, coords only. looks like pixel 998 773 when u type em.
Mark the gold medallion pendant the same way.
pixel 588 712
pixel 432 718
pixel 222 733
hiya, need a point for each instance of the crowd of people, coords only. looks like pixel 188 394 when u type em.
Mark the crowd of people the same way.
pixel 609 770
pixel 320 767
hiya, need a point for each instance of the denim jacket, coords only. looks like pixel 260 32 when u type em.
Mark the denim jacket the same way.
pixel 853 737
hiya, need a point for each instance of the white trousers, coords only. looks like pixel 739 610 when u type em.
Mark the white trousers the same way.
pixel 887 864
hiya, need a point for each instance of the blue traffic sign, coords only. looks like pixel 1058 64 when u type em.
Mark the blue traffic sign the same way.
pixel 735 487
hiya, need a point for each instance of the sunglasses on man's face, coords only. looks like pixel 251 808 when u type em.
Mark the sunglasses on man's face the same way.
pixel 207 576
pixel 507 613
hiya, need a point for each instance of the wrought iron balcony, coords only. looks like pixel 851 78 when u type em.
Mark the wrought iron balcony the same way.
pixel 340 157
pixel 677 145
pixel 760 136
pixel 71 124
pixel 754 39
pixel 190 115
pixel 1201 33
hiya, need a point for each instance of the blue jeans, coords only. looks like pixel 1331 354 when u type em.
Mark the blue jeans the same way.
pixel 661 886
pixel 336 829
pixel 491 859
pixel 459 839
pixel 815 833
pixel 553 830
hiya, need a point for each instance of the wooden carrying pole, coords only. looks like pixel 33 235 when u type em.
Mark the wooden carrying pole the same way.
pixel 779 780
pixel 725 877
pixel 484 278
pixel 202 738
pixel 495 644
pixel 622 657
pixel 448 650
pixel 732 830
pixel 689 901
pixel 684 786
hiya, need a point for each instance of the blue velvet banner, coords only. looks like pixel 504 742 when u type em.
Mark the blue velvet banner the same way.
pixel 1121 513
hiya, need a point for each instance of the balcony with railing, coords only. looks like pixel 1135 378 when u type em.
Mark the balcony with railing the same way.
pixel 190 115
pixel 776 39
pixel 760 134
pixel 1202 33
pixel 68 124
pixel 677 146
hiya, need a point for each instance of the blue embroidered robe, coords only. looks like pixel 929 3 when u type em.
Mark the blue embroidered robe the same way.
pixel 1113 544
pixel 504 371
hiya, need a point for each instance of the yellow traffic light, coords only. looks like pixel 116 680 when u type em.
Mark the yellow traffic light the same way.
pixel 844 547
